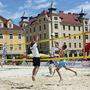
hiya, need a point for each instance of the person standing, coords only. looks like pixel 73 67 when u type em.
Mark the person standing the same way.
pixel 4 52
pixel 36 57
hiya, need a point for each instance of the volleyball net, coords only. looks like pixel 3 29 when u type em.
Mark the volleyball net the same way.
pixel 68 37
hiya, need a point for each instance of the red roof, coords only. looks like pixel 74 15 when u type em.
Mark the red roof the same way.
pixel 66 18
pixel 6 21
pixel 69 18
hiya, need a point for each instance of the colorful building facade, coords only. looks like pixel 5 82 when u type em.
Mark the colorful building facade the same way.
pixel 13 37
pixel 61 25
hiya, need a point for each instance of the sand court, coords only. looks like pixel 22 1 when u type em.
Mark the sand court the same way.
pixel 19 78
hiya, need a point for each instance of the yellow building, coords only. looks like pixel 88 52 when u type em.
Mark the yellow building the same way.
pixel 13 36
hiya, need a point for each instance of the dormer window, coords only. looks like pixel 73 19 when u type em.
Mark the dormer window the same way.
pixel 1 24
pixel 55 18
pixel 19 36
pixel 9 24
pixel 1 36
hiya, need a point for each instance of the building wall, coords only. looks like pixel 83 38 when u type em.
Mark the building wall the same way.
pixel 15 42
pixel 15 45
pixel 59 32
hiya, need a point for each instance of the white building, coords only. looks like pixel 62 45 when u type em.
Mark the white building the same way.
pixel 62 25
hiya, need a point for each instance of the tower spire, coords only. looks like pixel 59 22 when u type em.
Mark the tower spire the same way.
pixel 52 7
pixel 82 14
pixel 23 16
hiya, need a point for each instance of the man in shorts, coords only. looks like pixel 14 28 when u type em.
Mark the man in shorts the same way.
pixel 36 57
pixel 62 63
pixel 51 63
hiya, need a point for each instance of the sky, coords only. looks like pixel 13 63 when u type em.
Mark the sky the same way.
pixel 14 9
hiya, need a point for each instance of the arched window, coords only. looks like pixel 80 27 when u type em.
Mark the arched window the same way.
pixel 9 24
pixel 1 24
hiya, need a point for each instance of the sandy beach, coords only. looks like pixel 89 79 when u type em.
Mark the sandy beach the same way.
pixel 19 78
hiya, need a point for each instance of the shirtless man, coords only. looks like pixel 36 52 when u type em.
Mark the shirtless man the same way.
pixel 62 63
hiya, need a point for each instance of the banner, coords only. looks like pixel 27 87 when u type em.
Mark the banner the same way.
pixel 78 64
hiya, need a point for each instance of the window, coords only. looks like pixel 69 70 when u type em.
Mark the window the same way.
pixel 56 26
pixel 34 29
pixel 74 37
pixel 64 35
pixel 44 19
pixel 79 45
pixel 40 36
pixel 11 47
pixel 1 36
pixel 11 36
pixel 69 36
pixel 10 25
pixel 74 28
pixel 56 35
pixel 44 26
pixel 86 28
pixel 40 45
pixel 44 35
pixel 70 55
pixel 19 36
pixel 80 54
pixel 75 54
pixel 39 20
pixel 30 30
pixel 19 46
pixel 79 28
pixel 26 38
pixel 86 22
pixel 74 45
pixel 69 45
pixel 63 27
pixel 1 25
pixel 86 36
pixel 68 27
pixel 30 37
pixel 40 28
pixel 79 37
pixel 65 43
pixel 55 18
pixel 1 46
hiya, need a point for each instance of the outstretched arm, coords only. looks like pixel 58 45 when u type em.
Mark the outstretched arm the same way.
pixel 36 38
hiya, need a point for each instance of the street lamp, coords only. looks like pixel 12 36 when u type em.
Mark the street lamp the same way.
pixel 52 10
pixel 82 20
pixel 52 38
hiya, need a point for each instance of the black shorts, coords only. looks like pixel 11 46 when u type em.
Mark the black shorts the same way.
pixel 36 61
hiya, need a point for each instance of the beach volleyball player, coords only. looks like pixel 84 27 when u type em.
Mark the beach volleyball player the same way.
pixel 36 57
pixel 62 63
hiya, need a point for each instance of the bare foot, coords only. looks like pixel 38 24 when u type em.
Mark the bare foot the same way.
pixel 33 78
pixel 60 80
pixel 76 73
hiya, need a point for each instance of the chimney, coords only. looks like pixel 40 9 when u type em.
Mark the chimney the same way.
pixel 30 18
pixel 69 12
pixel 61 11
